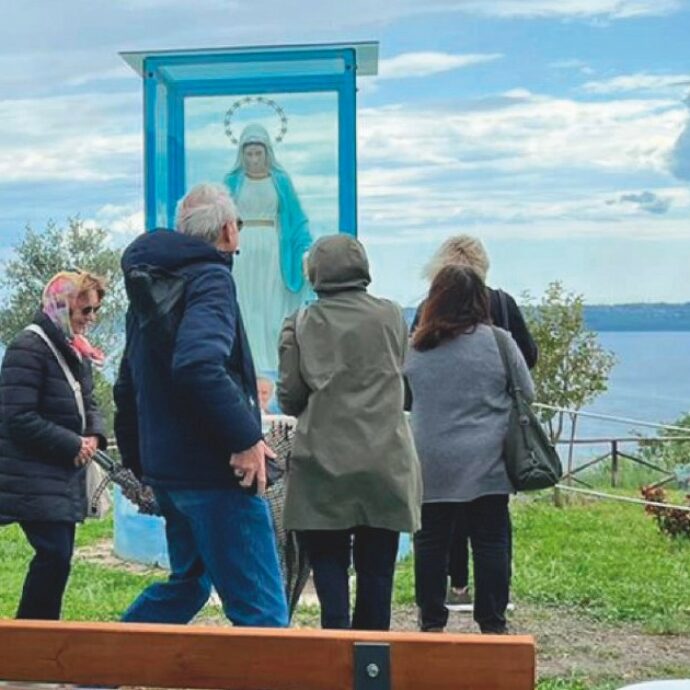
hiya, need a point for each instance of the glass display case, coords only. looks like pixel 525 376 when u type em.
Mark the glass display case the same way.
pixel 277 126
pixel 198 102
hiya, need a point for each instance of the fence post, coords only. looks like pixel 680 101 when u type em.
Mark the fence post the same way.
pixel 614 463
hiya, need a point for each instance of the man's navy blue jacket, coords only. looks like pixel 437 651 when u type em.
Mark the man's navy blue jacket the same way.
pixel 182 411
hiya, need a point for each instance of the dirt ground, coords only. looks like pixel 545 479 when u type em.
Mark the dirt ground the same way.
pixel 572 644
pixel 569 642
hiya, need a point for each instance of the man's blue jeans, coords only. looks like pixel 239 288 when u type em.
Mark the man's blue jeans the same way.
pixel 219 537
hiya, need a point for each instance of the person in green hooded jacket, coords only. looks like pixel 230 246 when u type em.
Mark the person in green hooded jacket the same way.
pixel 354 480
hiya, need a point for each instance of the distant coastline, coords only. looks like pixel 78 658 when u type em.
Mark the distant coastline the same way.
pixel 645 316
pixel 638 317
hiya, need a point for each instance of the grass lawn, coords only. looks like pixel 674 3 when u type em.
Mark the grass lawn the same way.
pixel 602 560
pixel 94 592
pixel 607 559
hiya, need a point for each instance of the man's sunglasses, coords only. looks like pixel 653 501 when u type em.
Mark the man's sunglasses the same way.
pixel 90 310
pixel 240 224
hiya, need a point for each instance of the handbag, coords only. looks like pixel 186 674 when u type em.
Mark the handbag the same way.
pixel 294 563
pixel 141 495
pixel 531 459
pixel 98 500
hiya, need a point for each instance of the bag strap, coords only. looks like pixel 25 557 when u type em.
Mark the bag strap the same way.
pixel 500 336
pixel 503 303
pixel 71 379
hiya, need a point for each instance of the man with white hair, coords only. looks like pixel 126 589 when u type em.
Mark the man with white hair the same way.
pixel 188 422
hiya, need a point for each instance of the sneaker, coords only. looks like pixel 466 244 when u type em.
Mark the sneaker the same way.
pixel 458 597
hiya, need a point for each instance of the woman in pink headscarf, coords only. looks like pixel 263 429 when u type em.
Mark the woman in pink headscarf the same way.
pixel 50 428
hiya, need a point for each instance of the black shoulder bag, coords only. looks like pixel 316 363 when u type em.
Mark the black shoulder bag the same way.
pixel 531 459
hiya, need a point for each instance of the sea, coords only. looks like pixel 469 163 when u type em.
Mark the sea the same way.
pixel 651 378
pixel 650 382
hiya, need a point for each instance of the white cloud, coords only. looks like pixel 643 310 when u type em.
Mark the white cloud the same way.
pixel 79 41
pixel 574 64
pixel 70 138
pixel 423 64
pixel 531 135
pixel 637 228
pixel 123 221
pixel 501 212
pixel 103 28
pixel 121 71
pixel 225 5
pixel 638 82
pixel 612 9
pixel 647 201
pixel 679 158
pixel 542 164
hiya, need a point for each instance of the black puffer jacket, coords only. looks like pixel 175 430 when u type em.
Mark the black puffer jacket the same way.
pixel 40 430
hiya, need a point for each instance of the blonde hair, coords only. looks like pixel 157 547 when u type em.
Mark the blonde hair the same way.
pixel 90 281
pixel 459 250
pixel 74 283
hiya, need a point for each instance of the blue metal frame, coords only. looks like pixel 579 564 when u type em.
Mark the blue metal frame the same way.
pixel 347 150
pixel 176 136
pixel 343 84
pixel 150 86
pixel 154 61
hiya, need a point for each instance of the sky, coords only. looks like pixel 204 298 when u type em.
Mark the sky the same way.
pixel 557 131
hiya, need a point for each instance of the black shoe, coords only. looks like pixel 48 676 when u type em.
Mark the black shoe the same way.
pixel 494 629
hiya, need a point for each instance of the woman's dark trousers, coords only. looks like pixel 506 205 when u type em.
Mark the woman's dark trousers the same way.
pixel 487 521
pixel 459 559
pixel 374 551
pixel 49 569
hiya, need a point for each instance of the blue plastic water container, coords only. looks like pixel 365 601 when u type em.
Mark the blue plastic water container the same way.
pixel 404 546
pixel 138 538
pixel 141 538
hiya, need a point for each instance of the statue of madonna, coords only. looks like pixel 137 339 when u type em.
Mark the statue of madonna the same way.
pixel 275 235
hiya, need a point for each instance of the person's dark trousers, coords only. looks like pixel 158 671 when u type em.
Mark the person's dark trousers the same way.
pixel 49 569
pixel 374 551
pixel 459 560
pixel 487 521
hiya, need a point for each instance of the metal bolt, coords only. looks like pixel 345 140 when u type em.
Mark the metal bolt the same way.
pixel 373 670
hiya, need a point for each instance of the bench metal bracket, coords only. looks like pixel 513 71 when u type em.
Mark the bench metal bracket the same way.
pixel 372 666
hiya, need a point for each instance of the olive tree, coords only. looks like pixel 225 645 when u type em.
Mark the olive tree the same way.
pixel 573 368
pixel 37 257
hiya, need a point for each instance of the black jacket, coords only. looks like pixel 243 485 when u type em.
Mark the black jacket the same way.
pixel 514 324
pixel 510 319
pixel 183 409
pixel 40 430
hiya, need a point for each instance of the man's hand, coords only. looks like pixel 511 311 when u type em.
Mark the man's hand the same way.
pixel 89 445
pixel 250 465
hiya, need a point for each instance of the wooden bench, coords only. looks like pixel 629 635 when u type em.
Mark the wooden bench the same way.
pixel 172 656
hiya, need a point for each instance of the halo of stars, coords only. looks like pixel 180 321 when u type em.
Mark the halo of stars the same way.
pixel 241 102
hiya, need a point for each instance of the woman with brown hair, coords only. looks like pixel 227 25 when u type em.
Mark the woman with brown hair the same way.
pixel 467 250
pixel 49 431
pixel 460 410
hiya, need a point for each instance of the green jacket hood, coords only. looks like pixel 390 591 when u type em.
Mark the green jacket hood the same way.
pixel 338 262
